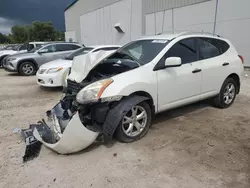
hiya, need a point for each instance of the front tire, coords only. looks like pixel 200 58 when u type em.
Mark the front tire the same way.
pixel 27 69
pixel 227 94
pixel 135 123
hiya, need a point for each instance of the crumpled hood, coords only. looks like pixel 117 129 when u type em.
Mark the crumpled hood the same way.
pixel 83 64
pixel 57 63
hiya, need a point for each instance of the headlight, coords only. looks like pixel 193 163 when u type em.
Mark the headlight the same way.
pixel 93 92
pixel 12 59
pixel 53 70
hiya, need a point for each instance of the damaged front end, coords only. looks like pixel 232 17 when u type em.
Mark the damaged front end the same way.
pixel 82 115
pixel 66 133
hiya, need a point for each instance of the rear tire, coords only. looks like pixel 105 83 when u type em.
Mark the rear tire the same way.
pixel 135 123
pixel 227 94
pixel 27 69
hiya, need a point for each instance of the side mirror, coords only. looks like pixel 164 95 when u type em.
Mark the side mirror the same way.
pixel 43 51
pixel 173 62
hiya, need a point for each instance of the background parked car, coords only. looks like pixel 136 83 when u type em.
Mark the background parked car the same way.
pixel 52 74
pixel 18 48
pixel 28 63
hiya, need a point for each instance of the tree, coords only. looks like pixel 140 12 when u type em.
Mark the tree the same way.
pixel 20 34
pixel 43 31
pixel 60 36
pixel 37 31
pixel 3 39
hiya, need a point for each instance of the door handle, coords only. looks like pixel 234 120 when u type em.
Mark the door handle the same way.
pixel 196 71
pixel 225 64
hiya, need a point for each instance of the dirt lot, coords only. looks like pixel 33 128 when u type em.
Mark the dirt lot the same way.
pixel 194 146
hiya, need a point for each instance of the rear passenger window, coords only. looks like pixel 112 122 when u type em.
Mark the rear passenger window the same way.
pixel 210 48
pixel 66 47
pixel 185 49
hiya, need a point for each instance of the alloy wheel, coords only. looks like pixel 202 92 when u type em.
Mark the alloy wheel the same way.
pixel 229 93
pixel 135 121
pixel 27 69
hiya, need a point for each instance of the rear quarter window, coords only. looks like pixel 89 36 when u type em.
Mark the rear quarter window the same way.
pixel 209 47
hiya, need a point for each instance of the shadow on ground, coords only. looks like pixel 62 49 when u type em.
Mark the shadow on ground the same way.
pixel 170 114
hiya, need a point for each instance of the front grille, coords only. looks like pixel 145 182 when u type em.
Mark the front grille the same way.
pixel 73 87
pixel 41 71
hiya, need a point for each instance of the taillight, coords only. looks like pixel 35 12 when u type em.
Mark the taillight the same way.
pixel 242 59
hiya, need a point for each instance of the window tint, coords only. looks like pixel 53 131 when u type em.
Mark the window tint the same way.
pixel 210 48
pixel 66 47
pixel 185 49
pixel 23 47
pixel 30 47
pixel 51 48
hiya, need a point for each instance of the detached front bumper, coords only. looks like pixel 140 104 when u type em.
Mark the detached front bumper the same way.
pixel 74 138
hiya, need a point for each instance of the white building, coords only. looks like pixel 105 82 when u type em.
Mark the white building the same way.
pixel 93 22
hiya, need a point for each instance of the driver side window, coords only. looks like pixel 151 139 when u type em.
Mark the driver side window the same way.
pixel 51 49
pixel 185 49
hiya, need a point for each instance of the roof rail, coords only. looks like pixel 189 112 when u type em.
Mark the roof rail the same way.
pixel 197 32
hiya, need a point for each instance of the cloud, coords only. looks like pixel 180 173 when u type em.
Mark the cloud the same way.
pixel 6 24
pixel 26 11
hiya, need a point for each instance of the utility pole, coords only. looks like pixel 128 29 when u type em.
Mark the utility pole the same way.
pixel 215 16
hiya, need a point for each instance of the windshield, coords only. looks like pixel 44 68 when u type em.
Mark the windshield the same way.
pixel 81 51
pixel 143 51
pixel 36 49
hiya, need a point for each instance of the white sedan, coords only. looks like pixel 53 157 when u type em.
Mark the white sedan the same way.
pixel 52 74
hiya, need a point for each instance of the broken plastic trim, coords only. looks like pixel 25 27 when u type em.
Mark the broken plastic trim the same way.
pixel 33 146
pixel 74 138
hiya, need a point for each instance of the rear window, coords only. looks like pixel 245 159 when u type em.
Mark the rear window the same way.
pixel 66 47
pixel 209 48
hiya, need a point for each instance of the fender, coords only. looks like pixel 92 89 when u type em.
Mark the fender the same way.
pixel 28 59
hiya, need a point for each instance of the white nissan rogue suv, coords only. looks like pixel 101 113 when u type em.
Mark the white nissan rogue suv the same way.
pixel 117 93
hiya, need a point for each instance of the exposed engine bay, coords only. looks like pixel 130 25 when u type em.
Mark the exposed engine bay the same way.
pixel 72 126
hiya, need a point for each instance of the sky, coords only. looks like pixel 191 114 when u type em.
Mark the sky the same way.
pixel 14 12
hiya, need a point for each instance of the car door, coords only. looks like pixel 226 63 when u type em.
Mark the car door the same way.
pixel 65 49
pixel 46 54
pixel 180 85
pixel 215 64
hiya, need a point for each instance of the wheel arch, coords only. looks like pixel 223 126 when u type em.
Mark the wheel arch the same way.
pixel 236 79
pixel 2 58
pixel 27 60
pixel 150 99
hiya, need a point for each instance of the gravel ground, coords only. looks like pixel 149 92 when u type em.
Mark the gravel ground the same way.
pixel 191 147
